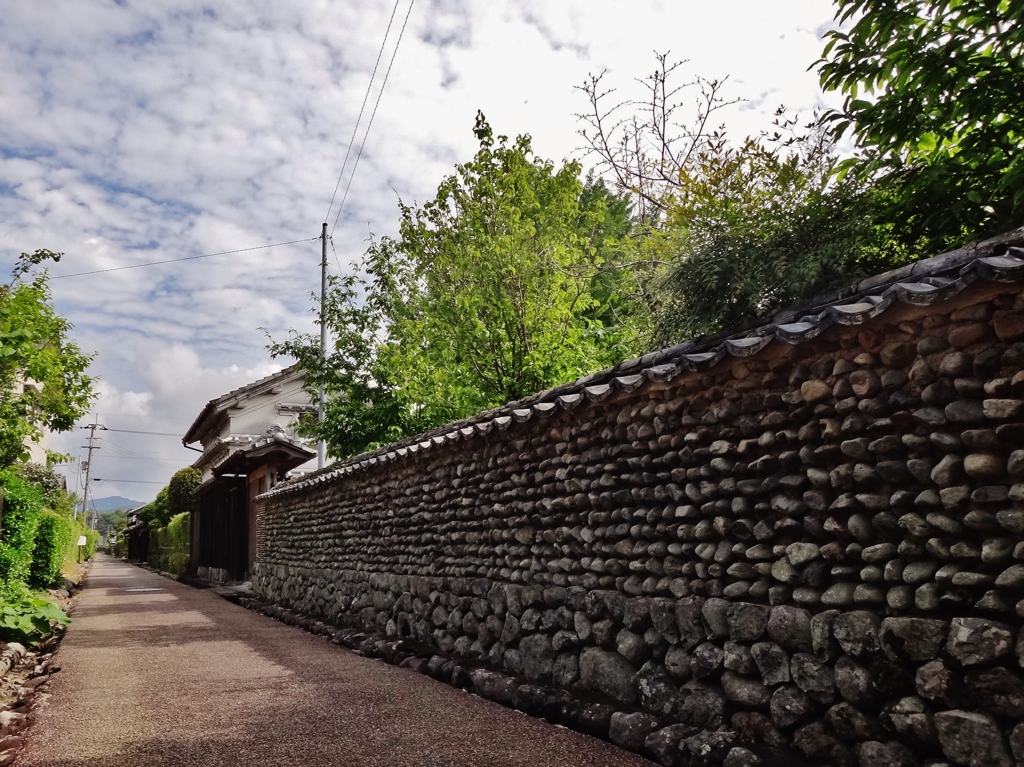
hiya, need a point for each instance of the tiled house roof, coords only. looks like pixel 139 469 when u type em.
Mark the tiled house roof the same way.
pixel 223 402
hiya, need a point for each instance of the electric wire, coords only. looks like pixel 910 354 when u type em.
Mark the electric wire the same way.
pixel 185 258
pixel 120 452
pixel 336 259
pixel 366 97
pixel 373 114
pixel 133 481
pixel 154 433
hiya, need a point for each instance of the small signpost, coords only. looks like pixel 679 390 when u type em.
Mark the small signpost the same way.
pixel 81 543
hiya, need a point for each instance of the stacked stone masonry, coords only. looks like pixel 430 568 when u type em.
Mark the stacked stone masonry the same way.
pixel 819 548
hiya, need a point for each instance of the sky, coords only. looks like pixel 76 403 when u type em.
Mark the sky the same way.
pixel 133 132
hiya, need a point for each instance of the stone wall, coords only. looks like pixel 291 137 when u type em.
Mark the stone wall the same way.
pixel 819 547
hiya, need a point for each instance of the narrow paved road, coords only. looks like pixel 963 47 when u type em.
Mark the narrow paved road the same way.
pixel 158 674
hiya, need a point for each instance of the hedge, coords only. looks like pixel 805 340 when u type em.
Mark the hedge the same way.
pixel 53 536
pixel 22 502
pixel 169 546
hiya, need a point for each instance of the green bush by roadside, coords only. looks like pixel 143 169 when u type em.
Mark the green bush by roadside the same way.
pixel 169 546
pixel 22 502
pixel 53 536
pixel 27 618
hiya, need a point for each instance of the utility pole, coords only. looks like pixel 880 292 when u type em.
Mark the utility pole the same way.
pixel 92 427
pixel 321 446
pixel 78 481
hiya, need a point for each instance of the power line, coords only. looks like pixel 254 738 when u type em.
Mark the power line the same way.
pixel 336 259
pixel 185 258
pixel 155 433
pixel 366 97
pixel 132 481
pixel 373 114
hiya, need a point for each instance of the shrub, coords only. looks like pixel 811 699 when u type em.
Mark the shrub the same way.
pixel 28 618
pixel 78 529
pixel 169 546
pixel 91 539
pixel 21 504
pixel 53 535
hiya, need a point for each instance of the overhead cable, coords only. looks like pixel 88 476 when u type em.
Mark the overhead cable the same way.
pixel 185 258
pixel 155 433
pixel 366 97
pixel 373 114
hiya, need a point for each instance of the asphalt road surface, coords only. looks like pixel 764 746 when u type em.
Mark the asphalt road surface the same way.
pixel 156 673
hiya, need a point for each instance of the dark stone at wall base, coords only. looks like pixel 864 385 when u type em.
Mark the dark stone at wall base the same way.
pixel 976 641
pixel 972 739
pixel 591 718
pixel 706 749
pixel 702 706
pixel 707 661
pixel 937 682
pixel 772 662
pixel 741 757
pixel 608 673
pixel 851 724
pixel 811 674
pixel 631 730
pixel 663 745
pixel 999 690
pixel 756 729
pixel 688 612
pixel 658 692
pixel 875 753
pixel 790 705
pixel 715 614
pixel 745 692
pixel 911 719
pixel 415 663
pixel 914 639
pixel 538 701
pixel 494 686
pixel 791 628
pixel 1017 743
pixel 857 632
pixel 747 621
pixel 855 683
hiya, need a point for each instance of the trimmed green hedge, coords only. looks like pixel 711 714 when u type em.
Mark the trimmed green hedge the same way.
pixel 169 546
pixel 22 502
pixel 91 537
pixel 53 536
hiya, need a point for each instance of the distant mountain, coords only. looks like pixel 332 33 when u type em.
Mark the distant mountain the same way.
pixel 113 503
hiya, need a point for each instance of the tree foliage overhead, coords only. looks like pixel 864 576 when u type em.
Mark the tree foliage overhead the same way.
pixel 730 231
pixel 761 226
pixel 43 381
pixel 504 284
pixel 933 99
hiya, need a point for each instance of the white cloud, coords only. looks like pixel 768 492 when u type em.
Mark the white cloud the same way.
pixel 134 132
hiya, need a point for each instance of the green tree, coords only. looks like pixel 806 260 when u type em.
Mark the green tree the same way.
pixel 761 226
pixel 933 99
pixel 43 381
pixel 730 232
pixel 108 522
pixel 156 514
pixel 504 284
pixel 179 490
